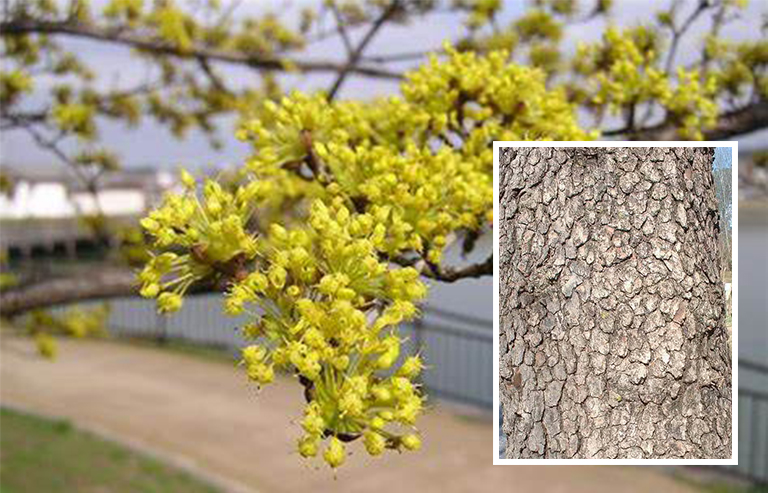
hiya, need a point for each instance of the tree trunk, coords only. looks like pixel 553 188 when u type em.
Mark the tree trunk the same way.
pixel 613 341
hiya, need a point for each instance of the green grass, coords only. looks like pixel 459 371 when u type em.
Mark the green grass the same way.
pixel 731 488
pixel 713 484
pixel 51 456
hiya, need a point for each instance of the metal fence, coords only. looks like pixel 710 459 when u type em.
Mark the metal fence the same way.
pixel 457 349
pixel 753 424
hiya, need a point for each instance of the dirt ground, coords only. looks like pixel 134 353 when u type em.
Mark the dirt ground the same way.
pixel 203 415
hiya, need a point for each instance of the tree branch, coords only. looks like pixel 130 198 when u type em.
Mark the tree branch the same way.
pixel 679 32
pixel 146 42
pixel 94 284
pixel 402 57
pixel 354 57
pixel 341 28
pixel 737 122
pixel 447 274
pixel 115 282
pixel 10 121
pixel 101 283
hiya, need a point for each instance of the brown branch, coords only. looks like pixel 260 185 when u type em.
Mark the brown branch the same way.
pixel 341 28
pixel 9 120
pixel 448 274
pixel 679 32
pixel 737 122
pixel 718 20
pixel 99 229
pixel 146 42
pixel 354 57
pixel 101 283
pixel 213 77
pixel 115 282
pixel 98 283
pixel 402 57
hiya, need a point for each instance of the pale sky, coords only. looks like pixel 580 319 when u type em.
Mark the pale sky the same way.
pixel 152 145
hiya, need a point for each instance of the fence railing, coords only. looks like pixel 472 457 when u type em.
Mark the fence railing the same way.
pixel 753 425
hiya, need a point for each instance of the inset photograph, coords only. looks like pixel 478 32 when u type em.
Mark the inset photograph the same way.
pixel 614 309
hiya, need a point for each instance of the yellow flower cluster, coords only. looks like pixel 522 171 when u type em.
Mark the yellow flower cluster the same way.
pixel 325 308
pixel 622 67
pixel 12 84
pixel 74 322
pixel 350 190
pixel 488 98
pixel 423 160
pixel 46 345
pixel 75 117
pixel 692 103
pixel 210 229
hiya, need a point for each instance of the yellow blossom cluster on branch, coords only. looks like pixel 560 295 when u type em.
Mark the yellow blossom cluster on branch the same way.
pixel 370 195
pixel 74 322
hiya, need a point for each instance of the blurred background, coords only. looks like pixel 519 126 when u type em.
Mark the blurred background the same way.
pixel 157 404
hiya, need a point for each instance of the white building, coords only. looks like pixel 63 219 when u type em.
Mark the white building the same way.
pixel 51 195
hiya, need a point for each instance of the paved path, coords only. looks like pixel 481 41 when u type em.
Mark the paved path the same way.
pixel 205 413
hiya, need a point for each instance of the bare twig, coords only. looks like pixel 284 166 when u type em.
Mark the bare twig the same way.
pixel 90 183
pixel 341 28
pixel 144 42
pixel 354 57
pixel 737 122
pixel 401 57
pixel 679 32
pixel 447 274
pixel 216 81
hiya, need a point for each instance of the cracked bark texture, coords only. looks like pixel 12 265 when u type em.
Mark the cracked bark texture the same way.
pixel 613 341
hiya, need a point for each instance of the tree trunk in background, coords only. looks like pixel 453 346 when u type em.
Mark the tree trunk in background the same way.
pixel 613 341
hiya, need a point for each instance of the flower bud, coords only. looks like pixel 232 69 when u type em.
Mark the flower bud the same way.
pixel 187 179
pixel 334 454
pixel 169 302
pixel 150 290
pixel 411 442
pixel 308 446
pixel 412 366
pixel 374 443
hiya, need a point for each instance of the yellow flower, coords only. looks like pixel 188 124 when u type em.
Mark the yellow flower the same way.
pixel 411 367
pixel 188 180
pixel 169 302
pixel 334 454
pixel 411 442
pixel 46 345
pixel 308 446
pixel 374 443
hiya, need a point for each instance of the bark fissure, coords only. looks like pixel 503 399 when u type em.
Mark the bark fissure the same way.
pixel 612 335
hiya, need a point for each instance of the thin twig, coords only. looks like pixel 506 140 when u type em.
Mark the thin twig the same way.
pixel 354 57
pixel 139 40
pixel 447 274
pixel 341 28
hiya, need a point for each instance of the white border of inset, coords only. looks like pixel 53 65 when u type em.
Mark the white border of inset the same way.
pixel 734 300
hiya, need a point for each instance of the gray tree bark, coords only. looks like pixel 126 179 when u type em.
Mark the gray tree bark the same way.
pixel 613 341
